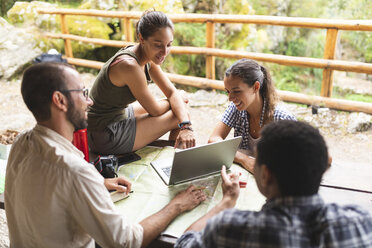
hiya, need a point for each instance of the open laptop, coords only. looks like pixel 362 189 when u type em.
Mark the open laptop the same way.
pixel 197 162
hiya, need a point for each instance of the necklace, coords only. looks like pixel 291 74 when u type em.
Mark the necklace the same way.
pixel 262 115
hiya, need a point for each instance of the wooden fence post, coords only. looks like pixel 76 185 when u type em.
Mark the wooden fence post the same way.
pixel 128 29
pixel 329 53
pixel 210 60
pixel 64 29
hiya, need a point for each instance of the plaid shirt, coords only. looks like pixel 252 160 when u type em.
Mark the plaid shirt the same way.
pixel 239 120
pixel 286 222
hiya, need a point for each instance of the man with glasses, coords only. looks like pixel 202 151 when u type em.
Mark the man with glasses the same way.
pixel 53 197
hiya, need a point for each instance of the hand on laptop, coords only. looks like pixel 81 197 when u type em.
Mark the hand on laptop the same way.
pixel 189 198
pixel 119 184
pixel 230 187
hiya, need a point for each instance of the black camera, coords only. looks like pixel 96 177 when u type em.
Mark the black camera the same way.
pixel 107 165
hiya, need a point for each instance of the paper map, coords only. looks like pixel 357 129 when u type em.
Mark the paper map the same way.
pixel 150 193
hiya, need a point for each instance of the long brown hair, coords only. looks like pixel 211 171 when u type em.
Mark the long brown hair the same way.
pixel 250 72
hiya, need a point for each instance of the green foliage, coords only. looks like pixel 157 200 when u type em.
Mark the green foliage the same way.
pixel 167 6
pixel 192 65
pixel 310 42
pixel 285 79
pixel 189 34
pixel 5 5
pixel 25 13
pixel 221 66
pixel 296 48
pixel 228 36
pixel 307 80
pixel 88 27
pixel 73 4
pixel 360 98
pixel 234 36
pixel 353 97
pixel 360 42
pixel 300 8
pixel 296 79
pixel 242 7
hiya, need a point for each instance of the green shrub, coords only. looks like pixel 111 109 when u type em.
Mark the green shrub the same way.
pixel 358 97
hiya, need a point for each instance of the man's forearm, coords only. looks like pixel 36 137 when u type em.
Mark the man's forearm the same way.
pixel 156 223
pixel 202 222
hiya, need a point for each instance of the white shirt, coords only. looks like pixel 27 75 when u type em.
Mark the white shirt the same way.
pixel 54 198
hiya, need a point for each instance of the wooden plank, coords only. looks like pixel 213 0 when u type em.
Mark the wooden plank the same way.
pixel 279 59
pixel 85 63
pixel 64 29
pixel 288 96
pixel 210 60
pixel 128 30
pixel 357 25
pixel 96 41
pixel 340 104
pixel 340 65
pixel 92 12
pixel 329 53
pixel 203 83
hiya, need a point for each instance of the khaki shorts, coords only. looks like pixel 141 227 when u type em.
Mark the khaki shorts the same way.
pixel 117 138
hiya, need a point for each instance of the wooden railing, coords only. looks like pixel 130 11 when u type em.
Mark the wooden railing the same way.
pixel 328 63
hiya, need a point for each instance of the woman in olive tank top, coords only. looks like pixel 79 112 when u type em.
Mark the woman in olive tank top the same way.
pixel 125 116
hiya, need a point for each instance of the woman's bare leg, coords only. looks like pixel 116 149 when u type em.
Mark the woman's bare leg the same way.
pixel 149 128
pixel 139 111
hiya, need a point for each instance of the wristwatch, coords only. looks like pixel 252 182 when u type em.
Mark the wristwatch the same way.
pixel 180 125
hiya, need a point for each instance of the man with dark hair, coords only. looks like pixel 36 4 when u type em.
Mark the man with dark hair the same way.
pixel 291 159
pixel 53 197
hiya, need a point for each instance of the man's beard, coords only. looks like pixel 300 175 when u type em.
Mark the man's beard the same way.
pixel 75 117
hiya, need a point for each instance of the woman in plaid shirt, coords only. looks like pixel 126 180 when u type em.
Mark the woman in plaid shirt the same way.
pixel 254 103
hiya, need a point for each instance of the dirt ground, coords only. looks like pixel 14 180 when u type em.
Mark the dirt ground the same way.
pixel 351 152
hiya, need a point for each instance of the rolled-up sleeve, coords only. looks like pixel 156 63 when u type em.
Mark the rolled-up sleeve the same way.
pixel 95 212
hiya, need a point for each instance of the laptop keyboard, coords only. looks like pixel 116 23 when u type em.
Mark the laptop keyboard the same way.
pixel 167 170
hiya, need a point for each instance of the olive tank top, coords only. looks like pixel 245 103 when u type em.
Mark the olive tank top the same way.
pixel 110 102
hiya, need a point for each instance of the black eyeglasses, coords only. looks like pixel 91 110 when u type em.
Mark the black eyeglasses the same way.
pixel 84 90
